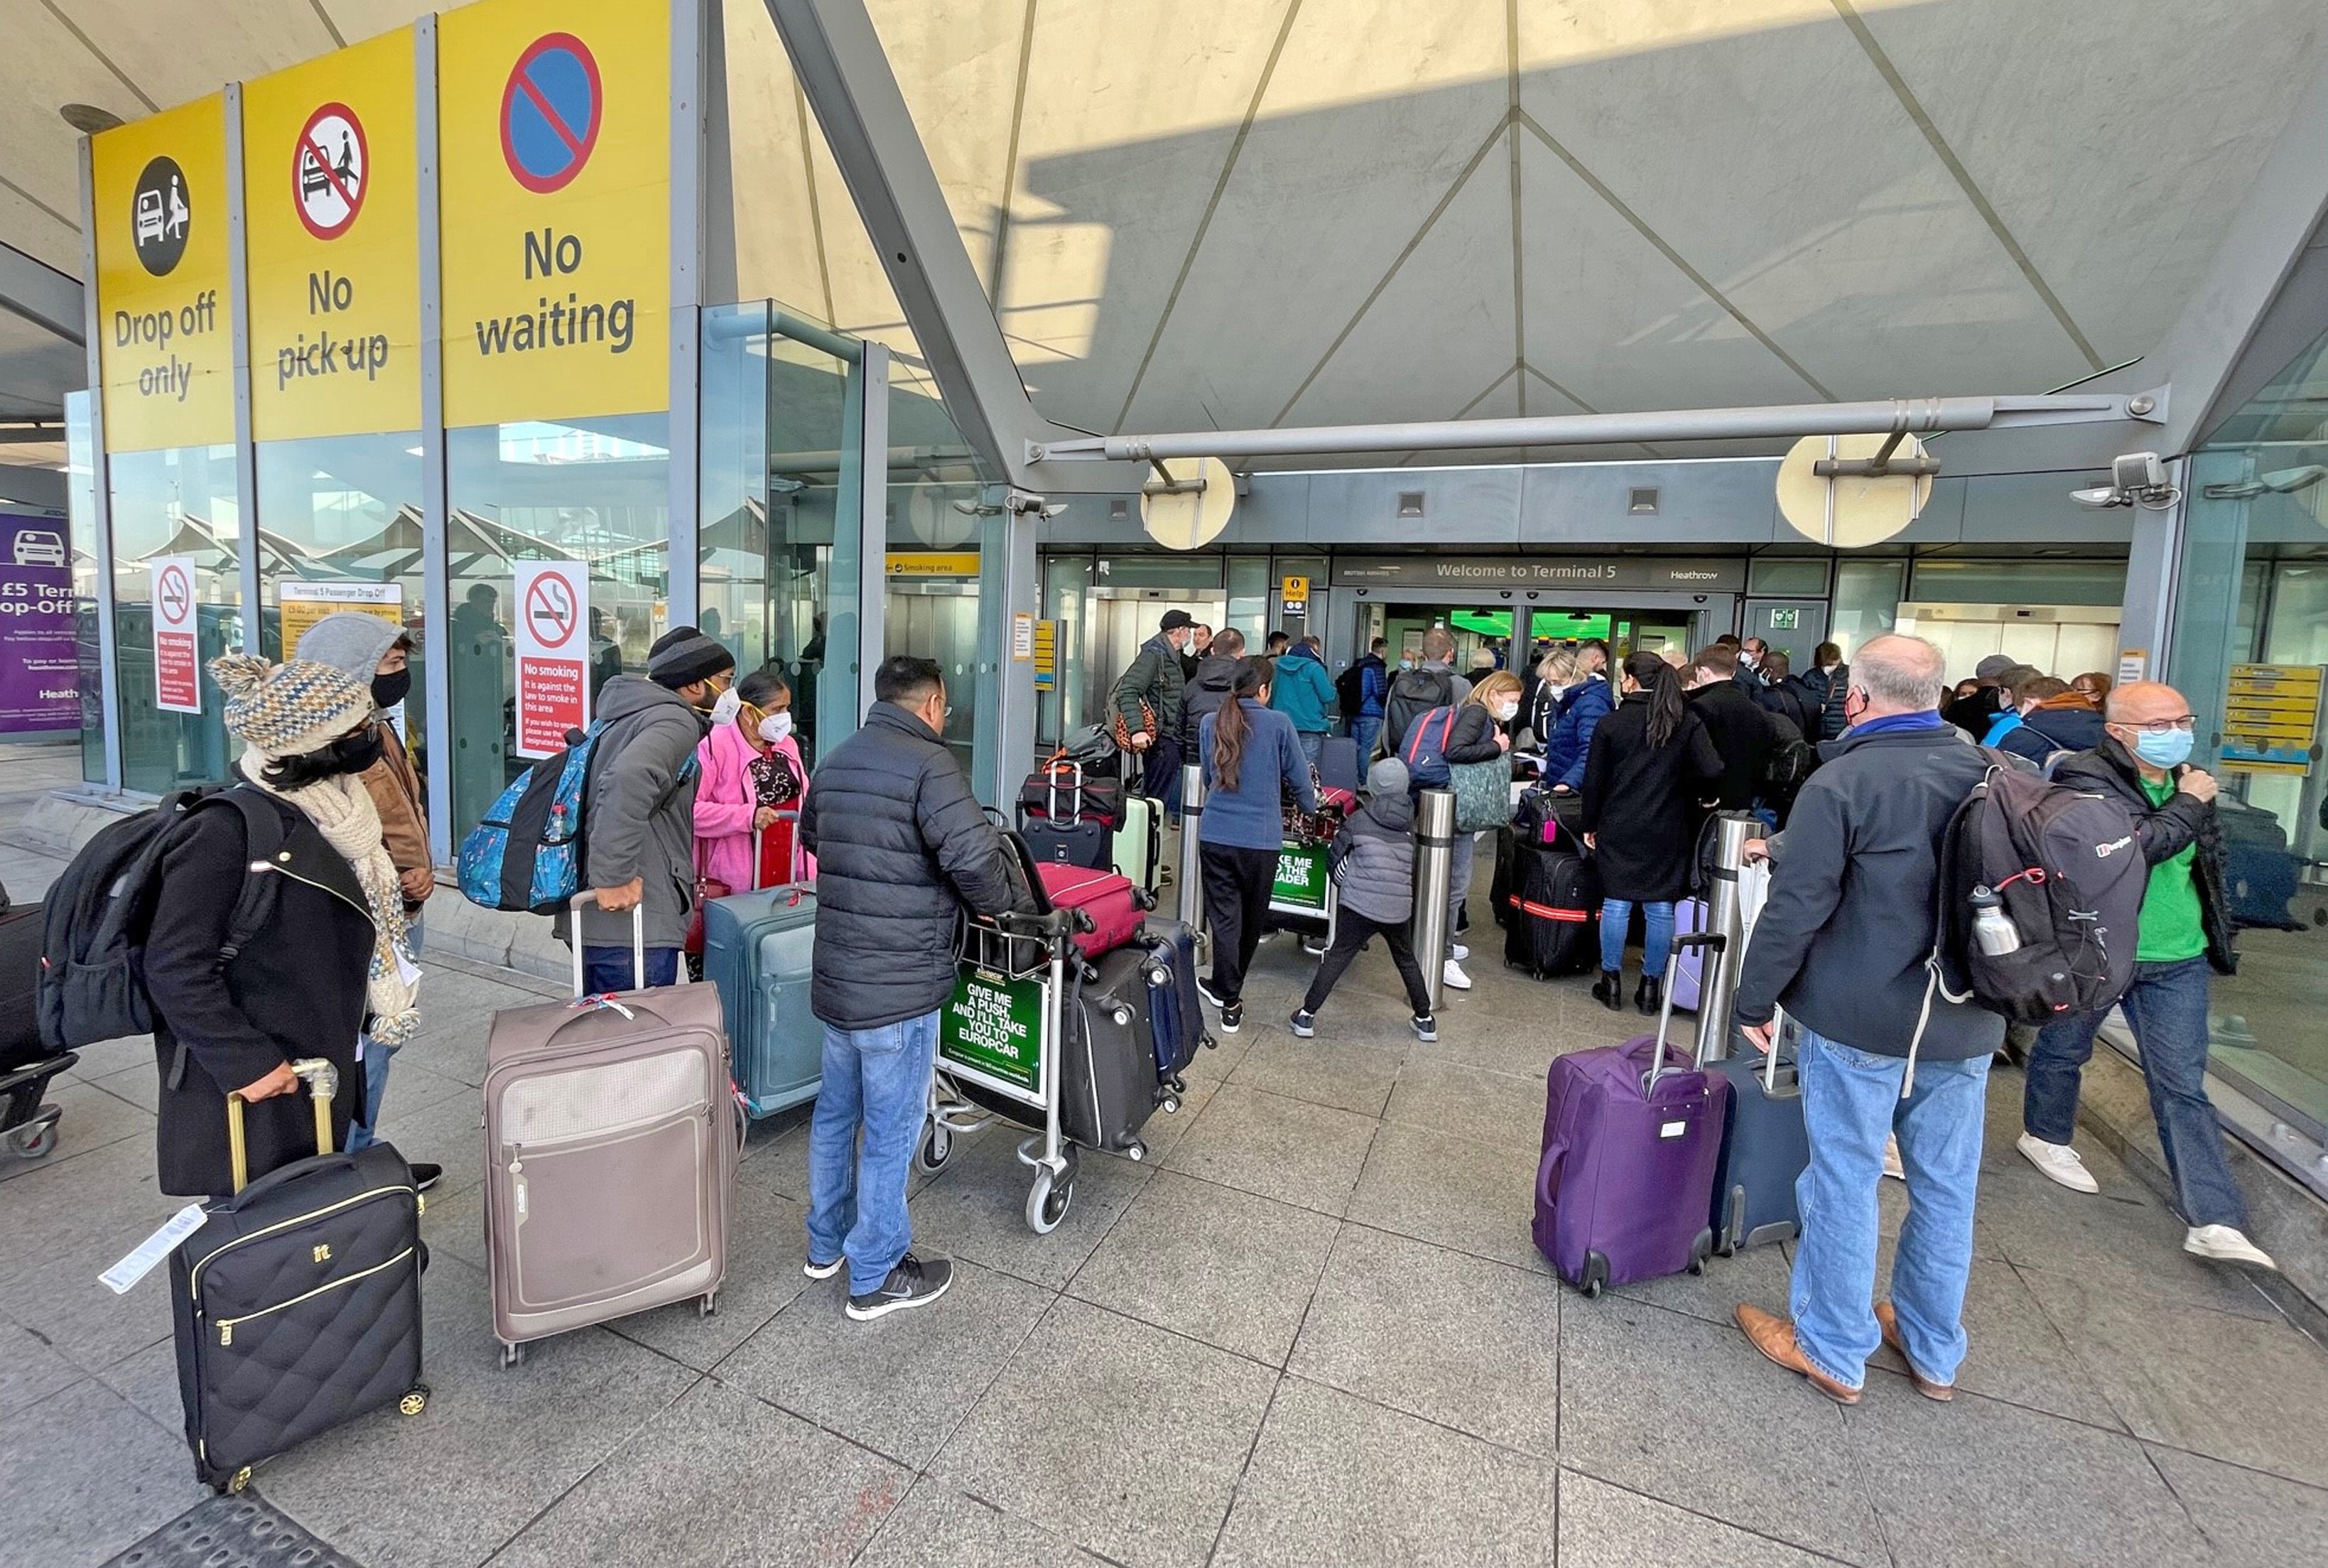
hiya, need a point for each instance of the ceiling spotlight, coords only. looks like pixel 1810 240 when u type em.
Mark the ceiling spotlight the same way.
pixel 88 118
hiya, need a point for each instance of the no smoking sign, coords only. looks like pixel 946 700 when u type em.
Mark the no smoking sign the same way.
pixel 331 169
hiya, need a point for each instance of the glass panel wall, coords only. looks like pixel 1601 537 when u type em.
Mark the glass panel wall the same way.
pixel 1066 597
pixel 2249 652
pixel 1249 595
pixel 596 491
pixel 81 509
pixel 1866 600
pixel 937 547
pixel 174 502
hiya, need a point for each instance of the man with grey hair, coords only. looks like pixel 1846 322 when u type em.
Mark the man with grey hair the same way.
pixel 1841 944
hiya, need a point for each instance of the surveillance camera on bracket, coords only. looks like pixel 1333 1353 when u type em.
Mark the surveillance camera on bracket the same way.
pixel 2136 479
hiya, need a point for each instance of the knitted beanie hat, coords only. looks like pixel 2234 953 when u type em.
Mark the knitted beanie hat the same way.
pixel 679 661
pixel 289 709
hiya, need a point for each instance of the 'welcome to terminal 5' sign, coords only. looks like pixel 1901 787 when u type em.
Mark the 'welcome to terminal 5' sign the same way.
pixel 1701 575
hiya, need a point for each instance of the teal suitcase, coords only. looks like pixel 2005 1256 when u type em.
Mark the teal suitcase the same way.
pixel 757 951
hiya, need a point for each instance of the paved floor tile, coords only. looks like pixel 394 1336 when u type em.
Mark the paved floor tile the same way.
pixel 764 1245
pixel 1495 1108
pixel 1523 1045
pixel 93 1118
pixel 1686 1411
pixel 2016 1352
pixel 719 1478
pixel 1217 1264
pixel 1336 1481
pixel 2247 1390
pixel 1324 1071
pixel 1165 1130
pixel 60 1229
pixel 977 1209
pixel 1976 1480
pixel 1218 1060
pixel 1606 1526
pixel 494 1448
pixel 87 1475
pixel 1456 1340
pixel 938 1527
pixel 1121 1437
pixel 1288 1150
pixel 2251 1520
pixel 899 1384
pixel 451 1133
pixel 30 1368
pixel 1758 1274
pixel 1475 1198
pixel 2123 1239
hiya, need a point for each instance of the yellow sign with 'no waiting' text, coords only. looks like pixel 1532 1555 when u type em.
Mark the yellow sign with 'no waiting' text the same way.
pixel 332 223
pixel 165 352
pixel 555 126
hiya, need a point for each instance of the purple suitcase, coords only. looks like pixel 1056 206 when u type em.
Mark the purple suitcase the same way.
pixel 1630 1136
pixel 1690 915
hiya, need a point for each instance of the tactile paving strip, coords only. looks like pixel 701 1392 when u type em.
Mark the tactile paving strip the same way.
pixel 236 1531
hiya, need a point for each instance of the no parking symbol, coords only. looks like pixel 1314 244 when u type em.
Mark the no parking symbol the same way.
pixel 550 110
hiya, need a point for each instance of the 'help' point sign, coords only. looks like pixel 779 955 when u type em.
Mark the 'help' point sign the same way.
pixel 553 654
pixel 177 657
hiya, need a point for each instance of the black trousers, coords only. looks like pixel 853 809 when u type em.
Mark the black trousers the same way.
pixel 1160 772
pixel 1237 884
pixel 1352 931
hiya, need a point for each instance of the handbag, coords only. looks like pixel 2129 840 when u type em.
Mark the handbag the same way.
pixel 1483 794
pixel 707 888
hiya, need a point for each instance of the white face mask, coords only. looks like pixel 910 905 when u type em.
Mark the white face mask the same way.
pixel 729 704
pixel 775 726
pixel 1507 711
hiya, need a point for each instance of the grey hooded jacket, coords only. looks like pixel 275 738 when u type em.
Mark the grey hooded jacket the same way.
pixel 1378 866
pixel 642 811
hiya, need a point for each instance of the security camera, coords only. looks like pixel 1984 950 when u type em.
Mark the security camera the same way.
pixel 2136 479
pixel 2101 497
pixel 2138 471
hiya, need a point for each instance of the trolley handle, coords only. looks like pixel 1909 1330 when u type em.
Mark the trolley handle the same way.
pixel 1711 939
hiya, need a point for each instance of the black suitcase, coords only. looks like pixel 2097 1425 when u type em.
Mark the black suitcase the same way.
pixel 1089 843
pixel 20 979
pixel 297 1306
pixel 1176 1008
pixel 1499 885
pixel 1107 1055
pixel 1555 905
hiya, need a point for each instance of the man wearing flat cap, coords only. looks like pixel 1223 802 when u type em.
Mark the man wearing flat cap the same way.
pixel 1146 703
pixel 1973 713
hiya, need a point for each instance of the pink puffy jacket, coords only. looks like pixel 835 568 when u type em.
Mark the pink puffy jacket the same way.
pixel 725 801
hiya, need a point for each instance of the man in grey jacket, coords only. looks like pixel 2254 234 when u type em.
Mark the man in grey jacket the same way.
pixel 1842 943
pixel 638 844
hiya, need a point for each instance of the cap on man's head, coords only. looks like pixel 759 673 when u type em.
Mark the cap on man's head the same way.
pixel 679 662
pixel 1994 667
pixel 1174 620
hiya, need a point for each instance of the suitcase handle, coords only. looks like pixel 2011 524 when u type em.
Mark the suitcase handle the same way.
pixel 638 939
pixel 322 1085
pixel 1715 943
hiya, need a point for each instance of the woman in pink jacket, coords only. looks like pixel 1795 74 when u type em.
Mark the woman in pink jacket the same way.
pixel 752 770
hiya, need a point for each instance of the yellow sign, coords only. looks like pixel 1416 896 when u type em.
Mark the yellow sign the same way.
pixel 2270 715
pixel 302 605
pixel 1046 655
pixel 166 354
pixel 554 122
pixel 331 229
pixel 1296 591
pixel 940 563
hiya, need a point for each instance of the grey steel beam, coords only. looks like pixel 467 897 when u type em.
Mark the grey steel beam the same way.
pixel 108 640
pixel 837 57
pixel 2203 350
pixel 436 561
pixel 41 296
pixel 865 426
pixel 1920 415
pixel 683 548
pixel 246 449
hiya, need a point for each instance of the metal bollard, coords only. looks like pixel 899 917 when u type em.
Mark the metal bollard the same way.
pixel 1192 863
pixel 1724 917
pixel 1434 864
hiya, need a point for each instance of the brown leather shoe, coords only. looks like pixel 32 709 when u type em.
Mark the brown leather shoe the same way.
pixel 1889 1321
pixel 1774 1337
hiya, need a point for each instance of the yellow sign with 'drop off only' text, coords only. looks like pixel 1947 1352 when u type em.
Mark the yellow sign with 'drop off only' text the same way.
pixel 555 125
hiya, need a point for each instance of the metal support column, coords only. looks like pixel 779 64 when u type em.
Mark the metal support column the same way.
pixel 865 448
pixel 1434 864
pixel 100 487
pixel 246 455
pixel 1191 872
pixel 1726 919
pixel 1008 586
pixel 682 555
pixel 436 564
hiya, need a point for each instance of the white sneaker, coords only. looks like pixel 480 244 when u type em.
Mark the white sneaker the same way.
pixel 2059 1162
pixel 1457 951
pixel 2222 1244
pixel 1891 1166
pixel 1454 977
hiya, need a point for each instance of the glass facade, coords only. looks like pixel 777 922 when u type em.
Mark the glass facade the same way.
pixel 942 549
pixel 2249 653
pixel 176 501
pixel 81 510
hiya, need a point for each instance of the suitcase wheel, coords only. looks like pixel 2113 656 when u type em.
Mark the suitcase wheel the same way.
pixel 1596 1274
pixel 708 1305
pixel 1135 1151
pixel 1048 1201
pixel 1169 1103
pixel 512 1355
pixel 36 1138
pixel 415 1400
pixel 936 1147
pixel 1702 1249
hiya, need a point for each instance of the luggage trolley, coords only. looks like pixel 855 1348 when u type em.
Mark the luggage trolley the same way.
pixel 1304 888
pixel 998 1051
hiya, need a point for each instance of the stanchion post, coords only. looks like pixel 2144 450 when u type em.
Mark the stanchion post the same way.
pixel 1434 865
pixel 1725 918
pixel 1192 865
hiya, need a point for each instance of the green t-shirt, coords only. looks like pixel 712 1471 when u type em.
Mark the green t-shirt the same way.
pixel 2171 928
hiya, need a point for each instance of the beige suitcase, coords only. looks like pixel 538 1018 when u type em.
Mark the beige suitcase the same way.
pixel 612 1134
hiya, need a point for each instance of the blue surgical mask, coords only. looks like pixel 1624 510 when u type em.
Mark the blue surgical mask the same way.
pixel 2165 750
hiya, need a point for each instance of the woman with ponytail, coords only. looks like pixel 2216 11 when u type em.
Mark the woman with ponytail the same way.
pixel 1651 769
pixel 1251 756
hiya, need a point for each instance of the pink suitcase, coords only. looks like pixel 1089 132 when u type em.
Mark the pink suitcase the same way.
pixel 1109 899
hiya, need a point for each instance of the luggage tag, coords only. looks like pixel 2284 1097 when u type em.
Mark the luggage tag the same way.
pixel 153 1249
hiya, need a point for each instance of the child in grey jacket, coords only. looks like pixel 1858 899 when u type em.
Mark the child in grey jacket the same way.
pixel 1374 880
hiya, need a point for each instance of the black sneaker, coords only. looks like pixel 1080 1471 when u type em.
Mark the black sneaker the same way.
pixel 426 1176
pixel 1305 1022
pixel 1425 1027
pixel 816 1270
pixel 912 1283
pixel 1204 989
pixel 1232 1017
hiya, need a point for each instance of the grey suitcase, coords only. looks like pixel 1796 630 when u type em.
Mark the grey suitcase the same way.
pixel 757 951
pixel 612 1134
pixel 1138 843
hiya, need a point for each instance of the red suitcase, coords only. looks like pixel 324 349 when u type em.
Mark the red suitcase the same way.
pixel 1109 898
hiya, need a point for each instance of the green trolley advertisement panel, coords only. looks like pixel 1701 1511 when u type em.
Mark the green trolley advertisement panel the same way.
pixel 1304 883
pixel 992 1034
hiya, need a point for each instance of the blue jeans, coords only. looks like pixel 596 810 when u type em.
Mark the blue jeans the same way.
pixel 1656 933
pixel 1313 742
pixel 609 969
pixel 878 1080
pixel 1366 730
pixel 376 1058
pixel 2166 1008
pixel 1851 1104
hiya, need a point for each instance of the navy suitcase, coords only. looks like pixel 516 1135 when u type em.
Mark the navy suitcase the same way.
pixel 1764 1149
pixel 1175 1010
pixel 1338 764
pixel 2259 875
pixel 1089 843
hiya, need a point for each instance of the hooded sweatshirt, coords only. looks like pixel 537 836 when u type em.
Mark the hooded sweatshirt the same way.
pixel 1302 690
pixel 1377 846
pixel 642 811
pixel 355 642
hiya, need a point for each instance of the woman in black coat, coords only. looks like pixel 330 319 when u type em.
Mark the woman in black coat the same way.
pixel 1651 768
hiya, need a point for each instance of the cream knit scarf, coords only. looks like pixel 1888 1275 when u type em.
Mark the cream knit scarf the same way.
pixel 342 809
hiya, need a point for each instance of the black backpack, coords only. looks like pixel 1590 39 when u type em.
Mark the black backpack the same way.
pixel 1350 690
pixel 1413 693
pixel 95 919
pixel 2069 871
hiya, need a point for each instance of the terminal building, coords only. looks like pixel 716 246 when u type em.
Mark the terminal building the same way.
pixel 989 330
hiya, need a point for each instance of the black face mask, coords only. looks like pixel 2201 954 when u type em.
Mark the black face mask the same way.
pixel 388 690
pixel 355 753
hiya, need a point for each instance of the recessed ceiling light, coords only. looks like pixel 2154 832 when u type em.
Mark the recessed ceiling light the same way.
pixel 88 118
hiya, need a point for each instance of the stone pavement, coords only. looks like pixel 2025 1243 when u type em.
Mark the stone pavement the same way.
pixel 1310 1328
